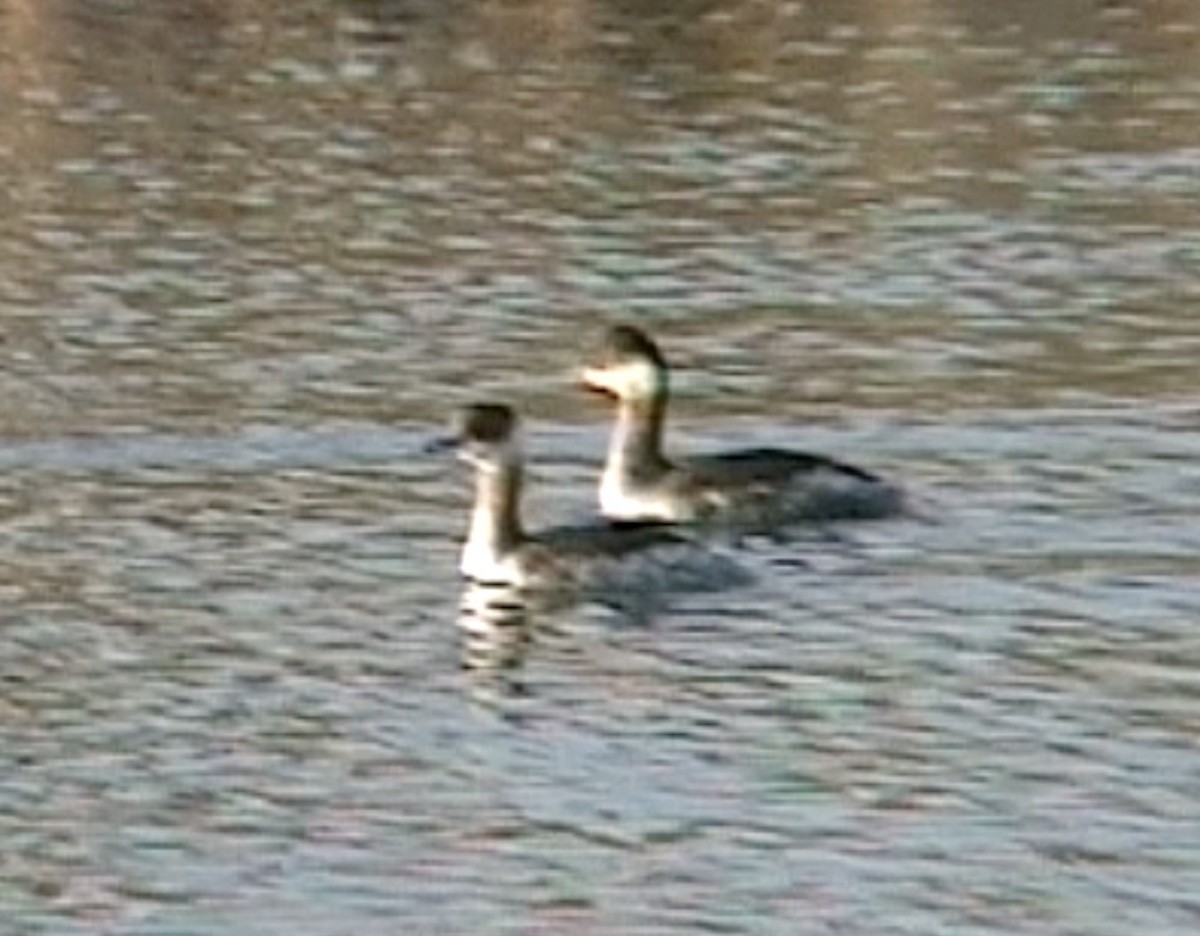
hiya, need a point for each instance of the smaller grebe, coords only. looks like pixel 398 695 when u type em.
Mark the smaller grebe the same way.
pixel 498 550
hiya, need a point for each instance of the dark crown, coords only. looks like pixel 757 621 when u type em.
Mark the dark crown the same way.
pixel 623 342
pixel 486 422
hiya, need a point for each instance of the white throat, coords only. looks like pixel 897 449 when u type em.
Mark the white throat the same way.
pixel 494 535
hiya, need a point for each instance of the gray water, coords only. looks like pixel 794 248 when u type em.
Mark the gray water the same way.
pixel 253 252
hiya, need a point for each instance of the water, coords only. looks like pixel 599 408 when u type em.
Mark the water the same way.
pixel 253 253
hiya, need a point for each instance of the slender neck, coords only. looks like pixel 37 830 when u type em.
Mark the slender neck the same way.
pixel 636 447
pixel 496 517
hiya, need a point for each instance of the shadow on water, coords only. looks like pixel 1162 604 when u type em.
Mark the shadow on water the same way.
pixel 500 623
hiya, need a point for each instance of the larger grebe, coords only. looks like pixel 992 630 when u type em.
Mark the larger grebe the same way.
pixel 755 485
pixel 498 550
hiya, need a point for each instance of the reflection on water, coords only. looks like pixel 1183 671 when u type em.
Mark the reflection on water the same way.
pixel 252 250
pixel 495 621
pixel 498 621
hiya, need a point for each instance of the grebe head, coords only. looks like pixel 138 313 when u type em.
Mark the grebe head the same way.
pixel 485 436
pixel 629 367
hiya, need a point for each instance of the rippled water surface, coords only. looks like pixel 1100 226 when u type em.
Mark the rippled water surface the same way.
pixel 253 252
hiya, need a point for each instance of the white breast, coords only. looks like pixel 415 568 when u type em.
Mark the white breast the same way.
pixel 481 564
pixel 621 501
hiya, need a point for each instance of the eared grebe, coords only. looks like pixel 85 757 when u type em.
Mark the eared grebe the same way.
pixel 497 550
pixel 760 485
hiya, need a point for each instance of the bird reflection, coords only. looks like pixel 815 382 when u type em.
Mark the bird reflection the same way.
pixel 499 620
pixel 495 620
